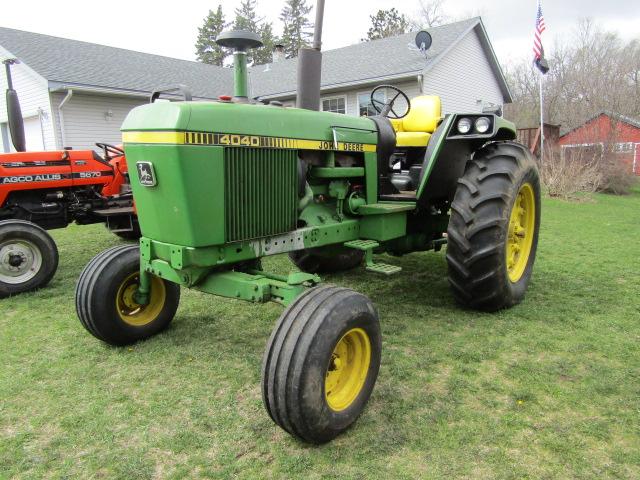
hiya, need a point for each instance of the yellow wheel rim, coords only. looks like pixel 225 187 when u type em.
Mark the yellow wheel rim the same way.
pixel 133 313
pixel 347 369
pixel 521 232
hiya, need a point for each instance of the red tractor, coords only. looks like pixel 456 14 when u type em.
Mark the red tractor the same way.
pixel 46 190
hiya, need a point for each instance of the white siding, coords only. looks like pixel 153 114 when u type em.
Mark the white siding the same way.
pixel 463 78
pixel 33 94
pixel 92 118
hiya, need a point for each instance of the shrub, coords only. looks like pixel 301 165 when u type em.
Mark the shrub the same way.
pixel 616 176
pixel 585 170
pixel 566 175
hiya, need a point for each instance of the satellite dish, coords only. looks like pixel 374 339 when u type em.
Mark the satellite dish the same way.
pixel 423 41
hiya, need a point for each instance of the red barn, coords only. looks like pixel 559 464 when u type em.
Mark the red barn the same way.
pixel 608 131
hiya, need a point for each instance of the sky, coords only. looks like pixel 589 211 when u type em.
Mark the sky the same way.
pixel 170 28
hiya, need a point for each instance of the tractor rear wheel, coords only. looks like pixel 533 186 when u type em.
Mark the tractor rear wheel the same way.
pixel 28 257
pixel 327 259
pixel 321 363
pixel 105 298
pixel 493 229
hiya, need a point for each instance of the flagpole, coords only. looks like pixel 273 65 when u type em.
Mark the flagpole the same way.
pixel 541 120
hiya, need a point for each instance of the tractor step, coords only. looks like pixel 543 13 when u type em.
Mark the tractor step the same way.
pixel 383 208
pixel 367 246
pixel 111 212
pixel 362 244
pixel 383 268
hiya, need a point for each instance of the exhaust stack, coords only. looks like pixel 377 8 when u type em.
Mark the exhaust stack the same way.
pixel 14 114
pixel 310 67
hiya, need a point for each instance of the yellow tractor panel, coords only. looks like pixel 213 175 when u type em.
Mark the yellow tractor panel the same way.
pixel 412 139
pixel 415 129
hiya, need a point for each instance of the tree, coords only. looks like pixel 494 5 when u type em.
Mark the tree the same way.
pixel 387 23
pixel 247 19
pixel 296 32
pixel 591 72
pixel 431 14
pixel 264 54
pixel 246 16
pixel 207 51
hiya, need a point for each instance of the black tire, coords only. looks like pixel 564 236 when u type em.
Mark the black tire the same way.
pixel 100 298
pixel 33 248
pixel 478 232
pixel 300 356
pixel 327 259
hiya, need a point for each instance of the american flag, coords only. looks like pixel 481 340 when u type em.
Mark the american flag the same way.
pixel 538 51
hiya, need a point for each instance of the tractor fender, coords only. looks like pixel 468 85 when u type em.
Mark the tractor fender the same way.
pixel 447 155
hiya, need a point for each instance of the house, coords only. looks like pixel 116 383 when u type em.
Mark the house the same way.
pixel 607 132
pixel 76 93
pixel 460 67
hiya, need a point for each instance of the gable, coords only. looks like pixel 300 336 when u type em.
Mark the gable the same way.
pixel 464 78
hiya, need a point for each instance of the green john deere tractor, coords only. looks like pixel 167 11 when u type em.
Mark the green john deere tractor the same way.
pixel 219 185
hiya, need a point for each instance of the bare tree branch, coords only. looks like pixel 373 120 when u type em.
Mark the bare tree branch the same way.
pixel 431 14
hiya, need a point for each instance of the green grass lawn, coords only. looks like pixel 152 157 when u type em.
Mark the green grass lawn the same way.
pixel 548 389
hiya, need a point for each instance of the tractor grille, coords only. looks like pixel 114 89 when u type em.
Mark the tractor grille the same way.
pixel 260 192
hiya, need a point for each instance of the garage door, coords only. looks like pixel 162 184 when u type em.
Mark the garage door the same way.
pixel 33 134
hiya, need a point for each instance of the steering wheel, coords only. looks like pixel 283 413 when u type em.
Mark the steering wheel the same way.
pixel 386 109
pixel 110 151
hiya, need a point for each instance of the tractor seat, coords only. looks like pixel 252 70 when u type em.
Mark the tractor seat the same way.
pixel 416 128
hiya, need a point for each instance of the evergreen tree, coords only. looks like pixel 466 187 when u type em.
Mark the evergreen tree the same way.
pixel 207 51
pixel 247 19
pixel 246 16
pixel 264 54
pixel 297 26
pixel 387 23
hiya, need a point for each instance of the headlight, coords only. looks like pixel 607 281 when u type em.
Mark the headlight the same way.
pixel 464 125
pixel 482 125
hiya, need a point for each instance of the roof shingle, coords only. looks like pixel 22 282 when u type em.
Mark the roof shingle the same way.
pixel 72 62
pixel 364 61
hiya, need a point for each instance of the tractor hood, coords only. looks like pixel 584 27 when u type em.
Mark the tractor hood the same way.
pixel 175 122
pixel 210 173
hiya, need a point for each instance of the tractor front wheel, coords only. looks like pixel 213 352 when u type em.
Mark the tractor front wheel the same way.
pixel 28 257
pixel 105 298
pixel 330 259
pixel 321 363
pixel 493 229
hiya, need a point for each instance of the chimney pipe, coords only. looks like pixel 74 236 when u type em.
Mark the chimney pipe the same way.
pixel 278 53
pixel 310 67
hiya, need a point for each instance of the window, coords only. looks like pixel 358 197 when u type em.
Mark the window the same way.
pixel 334 104
pixel 365 109
pixel 623 147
